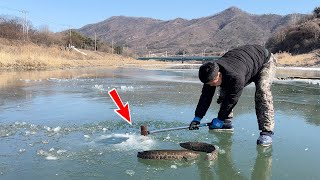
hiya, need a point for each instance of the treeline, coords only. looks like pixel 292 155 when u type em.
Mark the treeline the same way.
pixel 302 37
pixel 13 28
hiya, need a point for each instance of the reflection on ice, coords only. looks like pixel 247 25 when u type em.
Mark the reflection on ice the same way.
pixel 112 140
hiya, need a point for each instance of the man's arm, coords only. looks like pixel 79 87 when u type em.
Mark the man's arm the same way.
pixel 205 100
pixel 231 98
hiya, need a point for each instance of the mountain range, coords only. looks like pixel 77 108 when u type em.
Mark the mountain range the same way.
pixel 217 33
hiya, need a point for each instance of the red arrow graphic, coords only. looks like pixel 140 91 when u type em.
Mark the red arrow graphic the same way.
pixel 122 111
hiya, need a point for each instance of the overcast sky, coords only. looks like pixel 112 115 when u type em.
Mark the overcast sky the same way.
pixel 60 14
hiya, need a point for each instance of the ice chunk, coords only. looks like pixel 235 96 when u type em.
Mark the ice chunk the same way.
pixel 22 150
pixel 126 88
pixel 60 151
pixel 173 166
pixel 130 172
pixel 41 152
pixel 168 137
pixel 98 87
pixel 86 136
pixel 51 158
pixel 57 129
pixel 50 155
pixel 127 142
pixel 47 128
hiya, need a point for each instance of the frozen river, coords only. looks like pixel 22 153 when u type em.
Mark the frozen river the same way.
pixel 62 125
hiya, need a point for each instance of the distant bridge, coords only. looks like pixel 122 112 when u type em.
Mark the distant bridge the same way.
pixel 182 58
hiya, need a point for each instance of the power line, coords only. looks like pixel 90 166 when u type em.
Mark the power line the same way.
pixel 25 26
pixel 50 22
pixel 24 17
pixel 10 9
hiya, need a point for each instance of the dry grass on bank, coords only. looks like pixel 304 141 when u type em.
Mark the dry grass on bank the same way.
pixel 301 60
pixel 20 55
pixel 27 56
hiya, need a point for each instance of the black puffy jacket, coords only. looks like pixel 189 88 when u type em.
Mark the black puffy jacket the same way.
pixel 239 67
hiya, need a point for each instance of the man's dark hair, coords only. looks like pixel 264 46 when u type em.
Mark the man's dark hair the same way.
pixel 208 71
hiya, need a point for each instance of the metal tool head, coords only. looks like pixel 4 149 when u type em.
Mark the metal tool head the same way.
pixel 144 130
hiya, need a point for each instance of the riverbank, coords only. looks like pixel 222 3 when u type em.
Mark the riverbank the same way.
pixel 18 55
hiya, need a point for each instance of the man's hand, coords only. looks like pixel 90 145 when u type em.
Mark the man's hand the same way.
pixel 194 123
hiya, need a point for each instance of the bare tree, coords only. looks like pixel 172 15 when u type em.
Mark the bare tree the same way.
pixel 316 12
pixel 10 28
pixel 314 29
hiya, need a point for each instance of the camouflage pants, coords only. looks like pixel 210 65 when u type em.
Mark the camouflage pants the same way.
pixel 263 96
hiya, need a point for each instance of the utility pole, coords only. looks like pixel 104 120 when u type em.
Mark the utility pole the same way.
pixel 95 41
pixel 294 19
pixel 112 46
pixel 25 25
pixel 70 43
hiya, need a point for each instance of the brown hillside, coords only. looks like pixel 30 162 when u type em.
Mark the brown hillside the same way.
pixel 219 32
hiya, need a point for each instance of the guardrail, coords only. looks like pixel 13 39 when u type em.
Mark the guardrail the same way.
pixel 182 58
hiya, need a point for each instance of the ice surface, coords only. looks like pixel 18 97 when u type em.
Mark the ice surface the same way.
pixel 127 142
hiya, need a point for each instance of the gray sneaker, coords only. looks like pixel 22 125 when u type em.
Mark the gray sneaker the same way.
pixel 265 139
